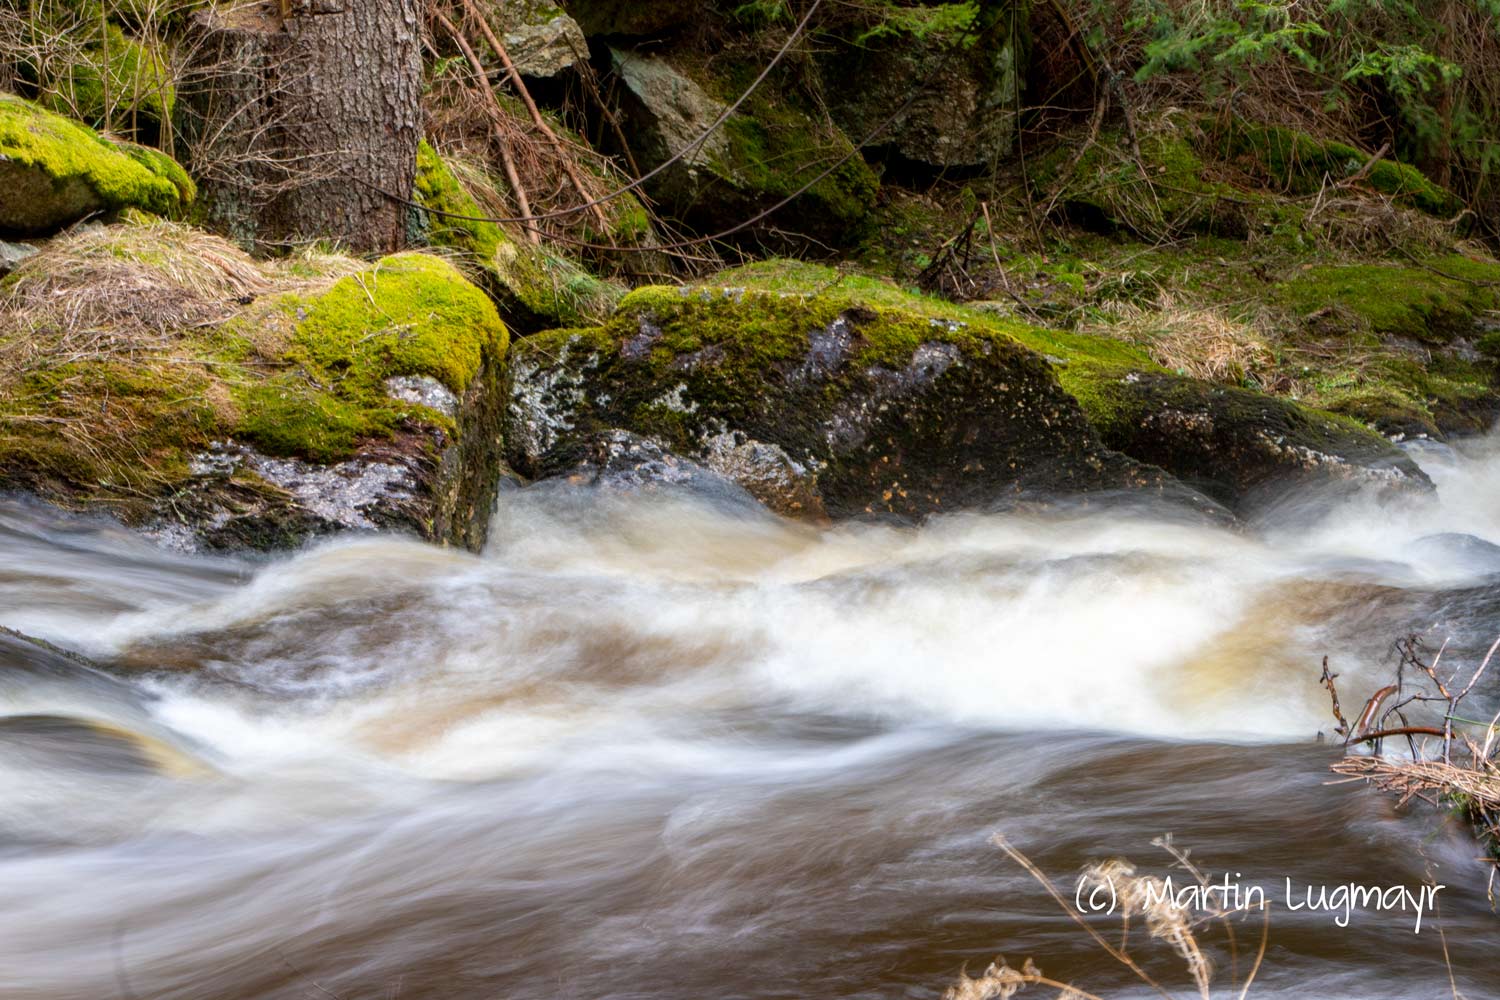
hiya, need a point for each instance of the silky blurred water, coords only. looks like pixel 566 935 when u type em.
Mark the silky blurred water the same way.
pixel 656 747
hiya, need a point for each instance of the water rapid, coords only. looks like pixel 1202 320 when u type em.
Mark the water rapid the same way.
pixel 656 746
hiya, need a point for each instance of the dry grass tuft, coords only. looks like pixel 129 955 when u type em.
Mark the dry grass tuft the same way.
pixel 1001 982
pixel 1200 342
pixel 141 278
pixel 1135 895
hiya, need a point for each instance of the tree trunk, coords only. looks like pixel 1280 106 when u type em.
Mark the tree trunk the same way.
pixel 303 126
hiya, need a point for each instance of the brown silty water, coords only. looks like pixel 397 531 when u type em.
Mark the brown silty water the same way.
pixel 656 747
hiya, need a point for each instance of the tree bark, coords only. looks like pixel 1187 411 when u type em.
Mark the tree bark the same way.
pixel 303 120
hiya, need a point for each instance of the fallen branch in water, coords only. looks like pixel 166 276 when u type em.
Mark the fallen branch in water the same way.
pixel 1431 774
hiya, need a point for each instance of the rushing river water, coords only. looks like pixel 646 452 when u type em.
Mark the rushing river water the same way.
pixel 658 747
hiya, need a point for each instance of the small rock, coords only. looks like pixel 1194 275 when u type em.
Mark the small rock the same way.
pixel 11 254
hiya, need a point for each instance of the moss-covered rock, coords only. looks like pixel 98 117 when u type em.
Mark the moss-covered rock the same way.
pixel 1299 163
pixel 1433 303
pixel 1231 443
pixel 1166 193
pixel 55 171
pixel 966 58
pixel 238 404
pixel 534 289
pixel 118 80
pixel 834 399
pixel 762 155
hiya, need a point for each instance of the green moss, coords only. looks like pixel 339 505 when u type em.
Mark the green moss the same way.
pixel 164 166
pixel 1300 164
pixel 83 171
pixel 117 81
pixel 1165 194
pixel 775 150
pixel 436 188
pixel 844 289
pixel 1398 299
pixel 411 314
pixel 534 288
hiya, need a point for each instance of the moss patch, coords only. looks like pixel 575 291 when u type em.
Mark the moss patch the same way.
pixel 55 171
pixel 1401 300
pixel 156 357
pixel 534 289
pixel 119 80
pixel 411 314
pixel 1299 163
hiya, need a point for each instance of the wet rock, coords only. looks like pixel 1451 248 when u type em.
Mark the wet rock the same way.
pixel 1235 444
pixel 618 461
pixel 819 404
pixel 1458 553
pixel 423 390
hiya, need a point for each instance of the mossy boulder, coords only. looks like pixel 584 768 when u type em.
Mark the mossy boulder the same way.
pixel 55 171
pixel 1435 302
pixel 837 400
pixel 1233 444
pixel 245 405
pixel 533 289
pixel 118 80
pixel 765 153
pixel 1299 163
pixel 1165 194
pixel 940 81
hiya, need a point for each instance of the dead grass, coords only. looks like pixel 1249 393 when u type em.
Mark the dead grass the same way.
pixel 141 280
pixel 106 348
pixel 1200 342
pixel 1142 897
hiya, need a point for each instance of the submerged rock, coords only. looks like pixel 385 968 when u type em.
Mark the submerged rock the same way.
pixel 620 462
pixel 825 404
pixel 55 171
